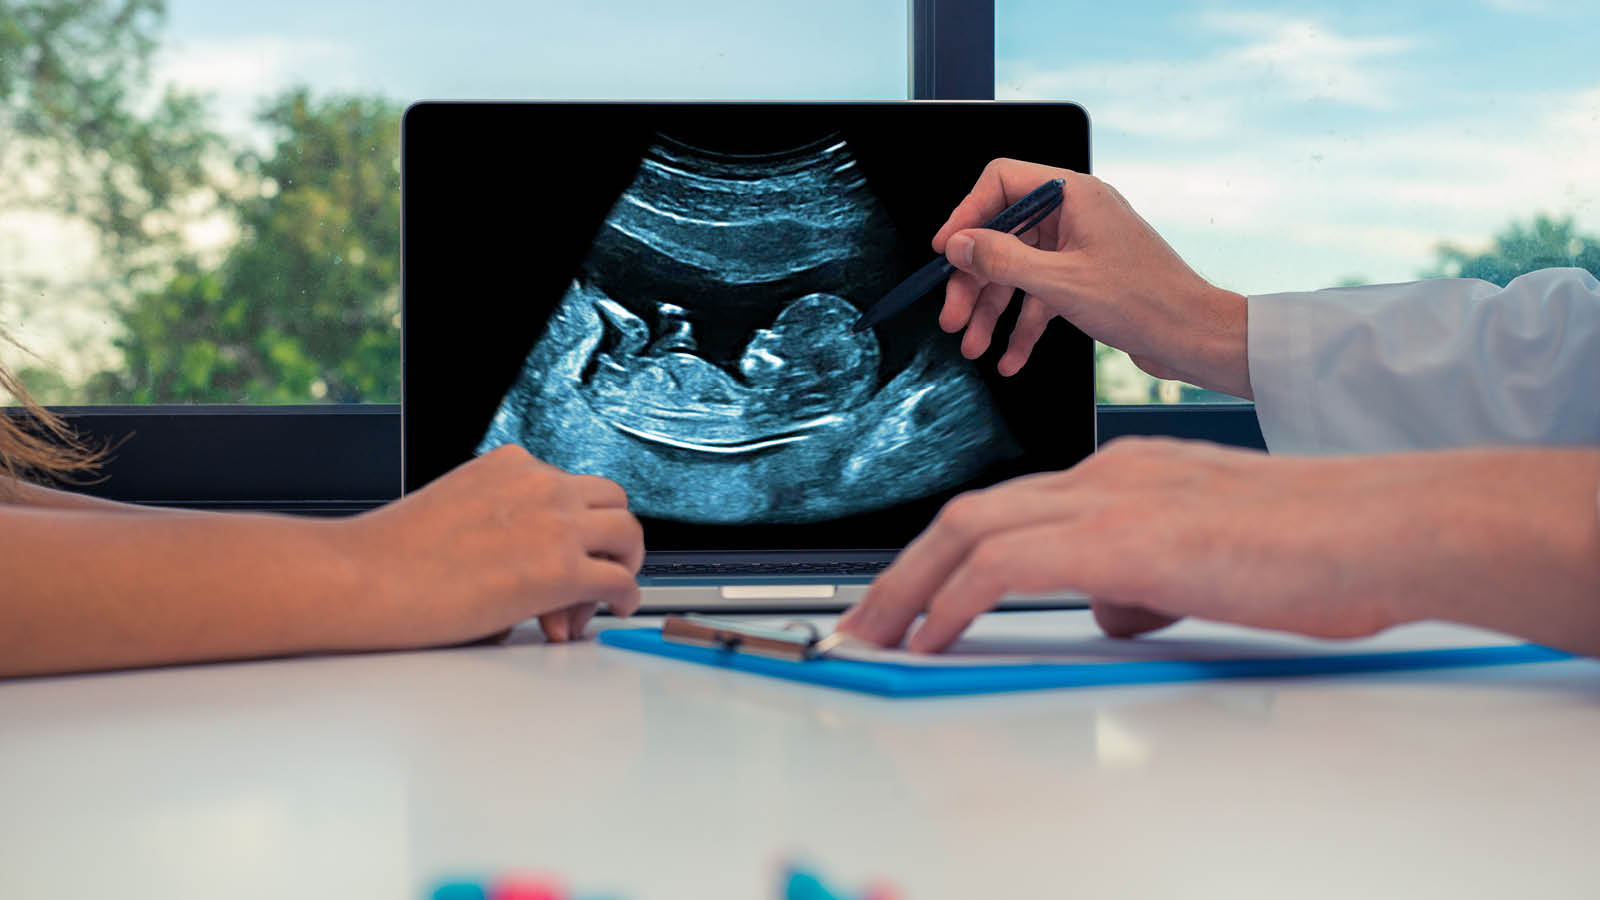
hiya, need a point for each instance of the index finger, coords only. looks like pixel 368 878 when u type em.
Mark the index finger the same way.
pixel 601 493
pixel 1003 182
pixel 905 589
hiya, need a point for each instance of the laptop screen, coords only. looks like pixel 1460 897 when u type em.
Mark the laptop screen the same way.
pixel 663 294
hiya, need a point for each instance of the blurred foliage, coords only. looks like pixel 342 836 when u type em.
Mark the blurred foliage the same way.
pixel 87 136
pixel 305 305
pixel 1543 243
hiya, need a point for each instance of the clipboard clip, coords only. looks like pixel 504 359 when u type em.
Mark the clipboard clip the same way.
pixel 795 640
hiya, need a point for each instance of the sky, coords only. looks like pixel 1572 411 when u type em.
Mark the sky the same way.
pixel 1278 145
pixel 501 49
pixel 1291 146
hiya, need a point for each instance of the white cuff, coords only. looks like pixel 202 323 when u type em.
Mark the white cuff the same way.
pixel 1278 345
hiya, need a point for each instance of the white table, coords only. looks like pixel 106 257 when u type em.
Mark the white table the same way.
pixel 373 776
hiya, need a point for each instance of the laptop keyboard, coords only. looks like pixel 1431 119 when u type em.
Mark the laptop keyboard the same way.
pixel 757 568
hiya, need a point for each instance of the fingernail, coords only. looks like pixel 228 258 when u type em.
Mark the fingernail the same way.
pixel 959 250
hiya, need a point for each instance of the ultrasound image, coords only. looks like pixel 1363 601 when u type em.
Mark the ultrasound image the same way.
pixel 702 356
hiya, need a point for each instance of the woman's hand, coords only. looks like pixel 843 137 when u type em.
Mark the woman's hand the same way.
pixel 501 538
pixel 1095 263
pixel 496 541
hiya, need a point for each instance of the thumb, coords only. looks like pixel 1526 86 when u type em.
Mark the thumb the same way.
pixel 1000 257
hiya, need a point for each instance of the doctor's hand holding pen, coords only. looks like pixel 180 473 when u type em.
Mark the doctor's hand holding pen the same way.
pixel 1154 530
pixel 1098 265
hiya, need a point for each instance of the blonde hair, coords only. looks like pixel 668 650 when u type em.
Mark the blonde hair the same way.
pixel 36 445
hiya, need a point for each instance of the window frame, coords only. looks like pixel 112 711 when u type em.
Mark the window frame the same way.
pixel 342 459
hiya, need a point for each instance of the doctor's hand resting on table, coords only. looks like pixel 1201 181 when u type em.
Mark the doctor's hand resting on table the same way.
pixel 93 584
pixel 1483 528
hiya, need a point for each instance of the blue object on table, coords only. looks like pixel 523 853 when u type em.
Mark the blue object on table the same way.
pixel 895 680
pixel 801 885
pixel 460 890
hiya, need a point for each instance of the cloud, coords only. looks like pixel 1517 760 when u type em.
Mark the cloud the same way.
pixel 239 74
pixel 1263 62
pixel 1309 60
pixel 1519 7
pixel 1274 160
pixel 1161 100
pixel 1302 211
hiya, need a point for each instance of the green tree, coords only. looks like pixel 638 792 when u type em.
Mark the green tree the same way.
pixel 305 306
pixel 1544 243
pixel 84 132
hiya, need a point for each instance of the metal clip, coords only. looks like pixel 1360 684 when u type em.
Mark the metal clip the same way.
pixel 795 640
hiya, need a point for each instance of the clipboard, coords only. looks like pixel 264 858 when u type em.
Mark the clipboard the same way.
pixel 798 654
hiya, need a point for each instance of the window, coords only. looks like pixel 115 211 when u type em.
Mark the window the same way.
pixel 201 203
pixel 1292 147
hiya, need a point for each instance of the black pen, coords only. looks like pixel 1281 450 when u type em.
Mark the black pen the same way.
pixel 1016 218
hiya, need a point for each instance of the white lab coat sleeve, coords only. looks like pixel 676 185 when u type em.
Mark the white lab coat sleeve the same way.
pixel 1447 362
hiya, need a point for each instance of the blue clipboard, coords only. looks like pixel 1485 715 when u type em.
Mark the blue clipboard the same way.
pixel 894 680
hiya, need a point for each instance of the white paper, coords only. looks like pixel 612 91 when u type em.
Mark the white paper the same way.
pixel 1071 637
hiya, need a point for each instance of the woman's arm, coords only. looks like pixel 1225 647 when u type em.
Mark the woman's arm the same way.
pixel 499 540
pixel 92 589
pixel 23 493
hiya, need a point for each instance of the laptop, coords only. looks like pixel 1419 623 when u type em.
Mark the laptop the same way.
pixel 663 293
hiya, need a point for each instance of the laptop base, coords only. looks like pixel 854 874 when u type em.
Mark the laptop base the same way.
pixel 768 597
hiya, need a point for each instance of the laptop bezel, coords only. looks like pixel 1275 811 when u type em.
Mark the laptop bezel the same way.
pixel 725 556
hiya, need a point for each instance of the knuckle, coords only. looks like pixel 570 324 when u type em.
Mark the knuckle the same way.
pixel 566 490
pixel 605 489
pixel 618 493
pixel 1110 521
pixel 508 453
pixel 1135 447
pixel 626 586
pixel 613 583
pixel 962 516
pixel 1098 186
pixel 988 563
pixel 995 258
